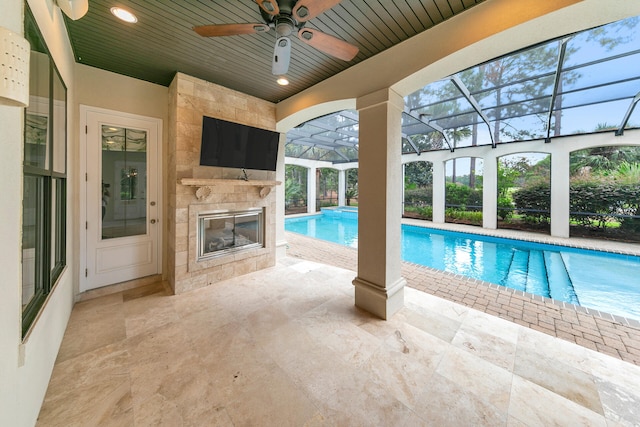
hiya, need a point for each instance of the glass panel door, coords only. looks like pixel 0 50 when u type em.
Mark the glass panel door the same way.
pixel 124 182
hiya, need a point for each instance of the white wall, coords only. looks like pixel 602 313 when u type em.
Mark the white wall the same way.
pixel 25 367
pixel 11 196
pixel 104 89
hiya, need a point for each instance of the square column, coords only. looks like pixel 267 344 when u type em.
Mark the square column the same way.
pixel 281 241
pixel 379 287
pixel 342 187
pixel 311 190
pixel 490 192
pixel 560 190
pixel 439 197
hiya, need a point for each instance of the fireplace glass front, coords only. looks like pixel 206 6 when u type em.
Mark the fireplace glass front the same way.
pixel 220 233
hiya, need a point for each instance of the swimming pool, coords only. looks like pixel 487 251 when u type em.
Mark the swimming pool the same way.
pixel 600 280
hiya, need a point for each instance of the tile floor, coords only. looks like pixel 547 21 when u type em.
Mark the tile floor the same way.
pixel 603 332
pixel 286 347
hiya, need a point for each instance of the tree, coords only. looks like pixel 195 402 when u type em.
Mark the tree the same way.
pixel 600 160
pixel 328 180
pixel 419 173
pixel 515 78
pixel 539 172
pixel 295 184
pixel 351 183
pixel 351 176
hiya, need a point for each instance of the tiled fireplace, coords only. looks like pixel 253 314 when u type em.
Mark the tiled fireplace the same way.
pixel 219 225
pixel 220 233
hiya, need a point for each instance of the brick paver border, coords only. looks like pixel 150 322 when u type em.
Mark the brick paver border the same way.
pixel 602 332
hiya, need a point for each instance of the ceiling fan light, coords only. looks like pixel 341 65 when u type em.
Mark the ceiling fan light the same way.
pixel 282 81
pixel 124 15
pixel 284 26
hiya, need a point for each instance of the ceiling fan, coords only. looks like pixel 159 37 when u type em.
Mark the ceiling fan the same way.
pixel 287 17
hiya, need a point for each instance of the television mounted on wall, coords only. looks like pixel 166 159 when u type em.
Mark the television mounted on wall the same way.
pixel 233 145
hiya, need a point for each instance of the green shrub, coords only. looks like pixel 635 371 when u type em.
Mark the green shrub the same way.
pixel 426 212
pixel 534 202
pixel 505 207
pixel 463 197
pixel 418 196
pixel 457 215
pixel 600 202
pixel 327 203
pixel 591 202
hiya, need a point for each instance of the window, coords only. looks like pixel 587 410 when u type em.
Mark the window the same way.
pixel 44 180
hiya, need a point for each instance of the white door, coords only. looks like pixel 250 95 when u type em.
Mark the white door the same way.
pixel 121 196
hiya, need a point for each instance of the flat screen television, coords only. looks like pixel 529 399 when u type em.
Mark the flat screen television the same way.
pixel 232 145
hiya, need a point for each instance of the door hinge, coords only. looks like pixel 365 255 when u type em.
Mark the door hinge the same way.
pixel 86 177
pixel 86 129
pixel 86 272
pixel 86 225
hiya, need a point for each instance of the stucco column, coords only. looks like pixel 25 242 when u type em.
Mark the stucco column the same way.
pixel 404 165
pixel 281 241
pixel 341 187
pixel 311 190
pixel 379 287
pixel 490 192
pixel 560 194
pixel 438 192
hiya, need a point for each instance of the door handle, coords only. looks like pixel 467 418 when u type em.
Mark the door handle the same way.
pixel 153 221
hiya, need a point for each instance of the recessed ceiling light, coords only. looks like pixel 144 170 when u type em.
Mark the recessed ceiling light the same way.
pixel 124 15
pixel 282 81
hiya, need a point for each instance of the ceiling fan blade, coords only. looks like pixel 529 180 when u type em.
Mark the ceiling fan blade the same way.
pixel 281 56
pixel 269 6
pixel 309 9
pixel 230 29
pixel 328 44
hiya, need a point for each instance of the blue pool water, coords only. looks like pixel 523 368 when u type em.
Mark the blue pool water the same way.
pixel 603 281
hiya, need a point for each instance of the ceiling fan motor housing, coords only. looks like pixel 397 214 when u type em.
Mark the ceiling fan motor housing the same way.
pixel 284 25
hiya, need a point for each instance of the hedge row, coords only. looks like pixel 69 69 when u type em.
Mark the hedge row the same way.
pixel 590 203
pixel 460 196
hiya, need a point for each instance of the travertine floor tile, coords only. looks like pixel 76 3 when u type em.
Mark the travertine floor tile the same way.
pixel 486 345
pixel 486 380
pixel 557 376
pixel 534 405
pixel 287 346
pixel 445 403
pixel 91 389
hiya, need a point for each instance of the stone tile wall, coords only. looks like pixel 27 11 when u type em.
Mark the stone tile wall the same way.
pixel 190 100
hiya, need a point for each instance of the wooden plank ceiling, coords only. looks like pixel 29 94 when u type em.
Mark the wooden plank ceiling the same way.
pixel 162 42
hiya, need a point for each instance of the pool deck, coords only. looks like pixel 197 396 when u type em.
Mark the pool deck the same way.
pixel 595 330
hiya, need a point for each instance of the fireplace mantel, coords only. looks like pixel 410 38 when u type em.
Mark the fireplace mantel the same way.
pixel 205 185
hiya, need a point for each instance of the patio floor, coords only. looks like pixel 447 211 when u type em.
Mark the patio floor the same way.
pixel 613 335
pixel 286 346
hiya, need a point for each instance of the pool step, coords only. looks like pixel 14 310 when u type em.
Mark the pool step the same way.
pixel 561 287
pixel 529 271
pixel 516 277
pixel 537 281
